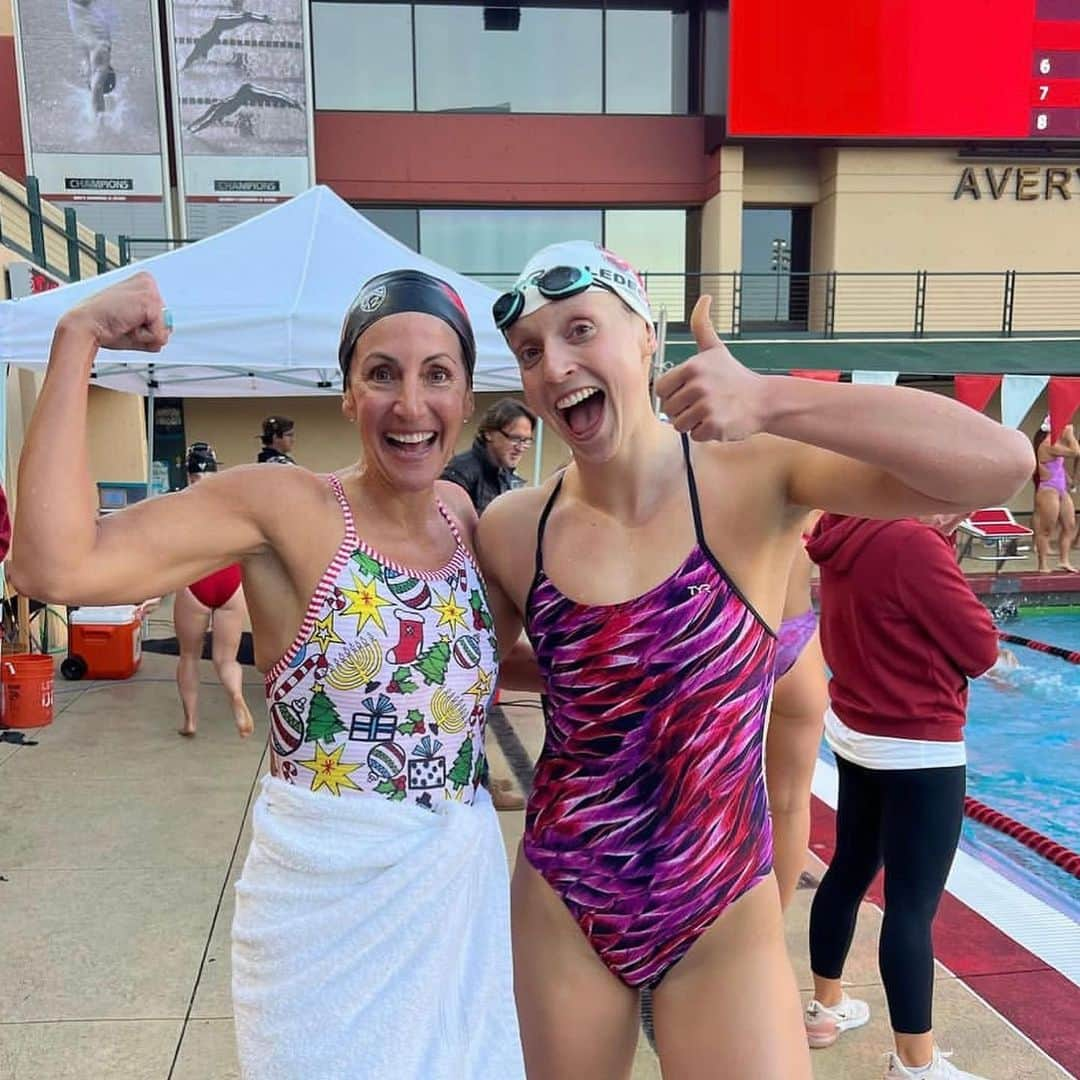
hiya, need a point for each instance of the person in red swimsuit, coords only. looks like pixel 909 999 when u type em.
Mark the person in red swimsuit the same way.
pixel 216 599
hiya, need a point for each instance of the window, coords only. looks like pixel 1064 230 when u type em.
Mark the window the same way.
pixel 775 265
pixel 400 224
pixel 653 241
pixel 646 53
pixel 466 57
pixel 362 56
pixel 551 63
pixel 494 245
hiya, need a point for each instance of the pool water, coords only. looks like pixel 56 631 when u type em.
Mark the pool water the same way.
pixel 1023 738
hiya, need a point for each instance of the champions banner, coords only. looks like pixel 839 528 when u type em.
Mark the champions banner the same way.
pixel 94 111
pixel 242 108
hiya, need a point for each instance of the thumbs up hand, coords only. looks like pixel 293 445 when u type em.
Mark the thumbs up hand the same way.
pixel 712 396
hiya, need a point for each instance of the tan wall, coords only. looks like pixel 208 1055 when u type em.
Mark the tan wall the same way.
pixel 116 435
pixel 7 19
pixel 783 175
pixel 325 441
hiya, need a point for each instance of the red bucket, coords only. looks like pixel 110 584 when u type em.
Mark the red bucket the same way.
pixel 26 698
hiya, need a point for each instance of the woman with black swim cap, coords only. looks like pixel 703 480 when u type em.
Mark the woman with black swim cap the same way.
pixel 371 935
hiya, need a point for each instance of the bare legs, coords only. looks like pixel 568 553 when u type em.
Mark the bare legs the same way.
pixel 1054 511
pixel 791 746
pixel 192 619
pixel 578 1020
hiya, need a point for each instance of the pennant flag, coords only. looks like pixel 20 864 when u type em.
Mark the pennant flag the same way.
pixel 875 378
pixel 1064 401
pixel 820 376
pixel 976 390
pixel 1018 394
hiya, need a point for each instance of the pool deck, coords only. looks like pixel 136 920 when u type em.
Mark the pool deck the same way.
pixel 120 843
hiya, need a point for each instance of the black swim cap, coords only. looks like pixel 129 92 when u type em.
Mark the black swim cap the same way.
pixel 399 291
pixel 201 458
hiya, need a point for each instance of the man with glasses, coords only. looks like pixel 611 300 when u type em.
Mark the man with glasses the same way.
pixel 485 471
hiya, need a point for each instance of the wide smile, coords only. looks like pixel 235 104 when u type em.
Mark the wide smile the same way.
pixel 410 444
pixel 582 411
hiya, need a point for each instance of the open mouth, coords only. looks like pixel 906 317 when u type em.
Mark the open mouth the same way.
pixel 410 443
pixel 582 410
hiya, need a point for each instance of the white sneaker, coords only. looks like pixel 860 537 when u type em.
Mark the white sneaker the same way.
pixel 824 1024
pixel 940 1068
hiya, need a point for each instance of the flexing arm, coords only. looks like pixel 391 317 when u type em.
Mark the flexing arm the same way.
pixel 61 552
pixel 872 451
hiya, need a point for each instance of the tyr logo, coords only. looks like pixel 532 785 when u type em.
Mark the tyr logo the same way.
pixel 697 590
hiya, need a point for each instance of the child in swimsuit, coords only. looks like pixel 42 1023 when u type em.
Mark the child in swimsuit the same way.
pixel 649 576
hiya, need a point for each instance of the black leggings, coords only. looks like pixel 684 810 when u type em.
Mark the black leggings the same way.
pixel 908 819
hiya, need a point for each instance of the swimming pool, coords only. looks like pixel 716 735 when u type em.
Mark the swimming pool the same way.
pixel 1023 737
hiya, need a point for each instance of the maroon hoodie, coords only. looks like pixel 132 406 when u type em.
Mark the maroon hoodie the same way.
pixel 901 629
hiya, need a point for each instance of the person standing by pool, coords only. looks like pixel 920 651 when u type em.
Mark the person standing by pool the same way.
pixel 649 575
pixel 1055 510
pixel 216 603
pixel 902 634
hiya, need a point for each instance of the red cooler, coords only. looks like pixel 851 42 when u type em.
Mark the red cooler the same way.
pixel 107 640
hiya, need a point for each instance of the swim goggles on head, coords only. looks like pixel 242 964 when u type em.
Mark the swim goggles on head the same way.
pixel 558 283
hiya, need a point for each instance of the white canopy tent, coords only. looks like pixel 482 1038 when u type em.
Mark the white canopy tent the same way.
pixel 257 309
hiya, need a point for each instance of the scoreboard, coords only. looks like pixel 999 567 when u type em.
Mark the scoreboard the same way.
pixel 905 69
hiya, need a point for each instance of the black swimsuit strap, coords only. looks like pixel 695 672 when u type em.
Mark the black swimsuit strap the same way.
pixel 542 525
pixel 695 504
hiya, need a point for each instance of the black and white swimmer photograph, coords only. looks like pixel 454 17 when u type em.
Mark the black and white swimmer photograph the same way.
pixel 90 79
pixel 240 76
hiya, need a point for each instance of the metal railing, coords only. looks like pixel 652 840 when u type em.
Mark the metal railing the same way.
pixel 50 237
pixel 838 304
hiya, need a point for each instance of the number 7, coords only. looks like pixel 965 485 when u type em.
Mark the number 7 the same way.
pixel 1043 91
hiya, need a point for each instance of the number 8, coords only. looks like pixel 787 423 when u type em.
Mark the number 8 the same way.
pixel 1041 121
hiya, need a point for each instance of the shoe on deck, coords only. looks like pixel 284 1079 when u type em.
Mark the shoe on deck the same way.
pixel 940 1069
pixel 504 797
pixel 824 1024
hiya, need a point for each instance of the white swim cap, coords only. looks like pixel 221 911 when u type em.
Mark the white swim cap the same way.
pixel 609 273
pixel 1045 425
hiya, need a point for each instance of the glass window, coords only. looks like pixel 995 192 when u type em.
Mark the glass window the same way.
pixel 647 62
pixel 551 63
pixel 362 56
pixel 494 245
pixel 400 224
pixel 654 243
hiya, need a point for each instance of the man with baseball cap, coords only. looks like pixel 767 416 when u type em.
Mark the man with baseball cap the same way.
pixel 278 436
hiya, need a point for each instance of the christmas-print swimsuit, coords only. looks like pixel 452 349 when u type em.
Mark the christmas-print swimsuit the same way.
pixel 385 689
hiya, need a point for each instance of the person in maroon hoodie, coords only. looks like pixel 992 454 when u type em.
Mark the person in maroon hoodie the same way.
pixel 902 633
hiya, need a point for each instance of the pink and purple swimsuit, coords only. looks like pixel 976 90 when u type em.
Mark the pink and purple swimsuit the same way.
pixel 648 814
pixel 1055 466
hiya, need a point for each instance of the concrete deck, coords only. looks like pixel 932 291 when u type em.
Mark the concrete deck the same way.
pixel 120 843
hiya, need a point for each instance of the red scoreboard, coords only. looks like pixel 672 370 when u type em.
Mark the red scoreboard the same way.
pixel 905 69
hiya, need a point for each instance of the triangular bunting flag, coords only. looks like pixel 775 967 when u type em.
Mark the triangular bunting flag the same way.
pixel 875 378
pixel 1018 394
pixel 976 390
pixel 1064 401
pixel 820 376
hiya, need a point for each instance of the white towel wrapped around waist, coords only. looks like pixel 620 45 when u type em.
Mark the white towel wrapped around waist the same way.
pixel 372 940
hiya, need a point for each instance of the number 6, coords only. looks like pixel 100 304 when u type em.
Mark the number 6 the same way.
pixel 1044 65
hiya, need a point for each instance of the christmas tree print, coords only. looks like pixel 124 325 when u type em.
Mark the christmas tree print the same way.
pixel 401 683
pixel 368 566
pixel 481 617
pixel 323 723
pixel 434 662
pixel 413 724
pixel 459 774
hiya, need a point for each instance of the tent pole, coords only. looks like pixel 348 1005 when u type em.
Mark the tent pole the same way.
pixel 150 431
pixel 538 452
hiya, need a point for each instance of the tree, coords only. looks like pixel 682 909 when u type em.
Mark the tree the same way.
pixel 323 721
pixel 433 664
pixel 459 774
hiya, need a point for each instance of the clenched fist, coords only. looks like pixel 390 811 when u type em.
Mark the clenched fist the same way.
pixel 712 396
pixel 128 315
